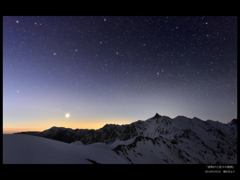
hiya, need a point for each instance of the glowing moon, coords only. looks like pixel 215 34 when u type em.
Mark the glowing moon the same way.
pixel 67 115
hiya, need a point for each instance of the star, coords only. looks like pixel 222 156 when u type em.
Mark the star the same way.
pixel 150 59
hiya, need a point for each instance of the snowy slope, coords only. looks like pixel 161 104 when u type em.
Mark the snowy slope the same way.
pixel 153 151
pixel 78 143
pixel 182 140
pixel 160 150
pixel 26 149
pixel 159 139
pixel 119 142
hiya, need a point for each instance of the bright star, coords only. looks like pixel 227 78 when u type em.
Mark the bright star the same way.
pixel 54 54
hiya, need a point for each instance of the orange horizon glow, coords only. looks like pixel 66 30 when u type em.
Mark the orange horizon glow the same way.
pixel 73 125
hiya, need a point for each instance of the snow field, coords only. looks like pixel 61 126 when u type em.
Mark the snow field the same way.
pixel 27 149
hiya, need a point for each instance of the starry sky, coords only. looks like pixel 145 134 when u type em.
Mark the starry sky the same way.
pixel 116 70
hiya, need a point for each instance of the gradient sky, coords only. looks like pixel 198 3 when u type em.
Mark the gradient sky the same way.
pixel 117 70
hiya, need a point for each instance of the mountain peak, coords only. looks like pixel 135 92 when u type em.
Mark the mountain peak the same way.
pixel 157 116
pixel 233 122
pixel 196 118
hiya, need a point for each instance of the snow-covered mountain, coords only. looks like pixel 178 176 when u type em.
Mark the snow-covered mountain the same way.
pixel 159 139
pixel 25 149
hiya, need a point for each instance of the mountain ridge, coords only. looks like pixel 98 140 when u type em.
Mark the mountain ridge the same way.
pixel 133 129
pixel 152 127
pixel 159 139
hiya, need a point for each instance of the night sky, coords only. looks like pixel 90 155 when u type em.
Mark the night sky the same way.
pixel 117 70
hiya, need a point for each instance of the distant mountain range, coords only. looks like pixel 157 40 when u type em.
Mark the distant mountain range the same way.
pixel 159 139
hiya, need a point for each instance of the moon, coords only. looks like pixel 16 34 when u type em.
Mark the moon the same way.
pixel 67 115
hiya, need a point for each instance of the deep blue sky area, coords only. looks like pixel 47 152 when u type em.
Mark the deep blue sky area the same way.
pixel 117 69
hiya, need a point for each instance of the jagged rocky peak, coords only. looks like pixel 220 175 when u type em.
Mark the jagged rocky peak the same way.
pixel 233 122
pixel 157 116
pixel 197 118
pixel 107 126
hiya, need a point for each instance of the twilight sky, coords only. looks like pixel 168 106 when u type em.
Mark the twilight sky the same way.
pixel 117 69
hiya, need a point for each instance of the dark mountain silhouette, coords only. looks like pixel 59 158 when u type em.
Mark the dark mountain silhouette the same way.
pixel 177 140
